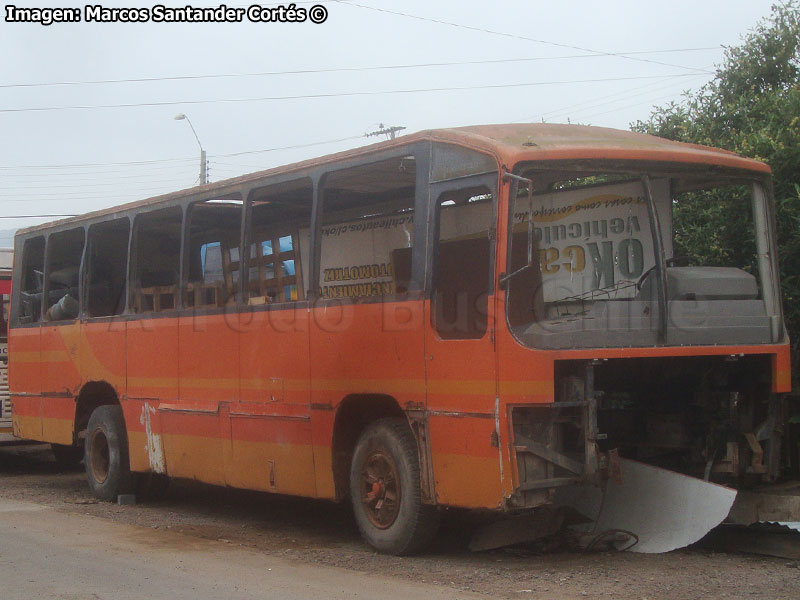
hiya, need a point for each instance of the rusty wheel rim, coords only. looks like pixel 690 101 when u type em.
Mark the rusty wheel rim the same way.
pixel 99 456
pixel 380 489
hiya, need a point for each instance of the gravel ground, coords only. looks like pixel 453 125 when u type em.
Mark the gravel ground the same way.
pixel 324 533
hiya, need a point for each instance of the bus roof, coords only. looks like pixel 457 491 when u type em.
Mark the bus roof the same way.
pixel 509 143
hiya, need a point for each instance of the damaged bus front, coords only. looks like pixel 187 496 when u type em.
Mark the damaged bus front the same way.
pixel 666 334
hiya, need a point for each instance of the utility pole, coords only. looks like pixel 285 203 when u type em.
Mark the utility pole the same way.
pixel 203 167
pixel 388 131
pixel 203 162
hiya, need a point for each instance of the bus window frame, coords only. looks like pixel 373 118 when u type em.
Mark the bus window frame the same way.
pixel 15 303
pixel 643 171
pixel 81 276
pixel 244 250
pixel 130 302
pixel 416 289
pixel 185 252
pixel 421 266
pixel 86 266
pixel 490 180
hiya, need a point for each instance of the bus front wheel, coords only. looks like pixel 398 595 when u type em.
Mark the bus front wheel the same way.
pixel 385 490
pixel 106 454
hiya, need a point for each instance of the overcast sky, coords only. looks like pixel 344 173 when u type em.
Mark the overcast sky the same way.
pixel 93 148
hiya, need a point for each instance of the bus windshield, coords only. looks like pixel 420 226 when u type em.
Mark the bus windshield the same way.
pixel 596 277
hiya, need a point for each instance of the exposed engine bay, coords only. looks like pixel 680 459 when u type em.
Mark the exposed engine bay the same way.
pixel 620 428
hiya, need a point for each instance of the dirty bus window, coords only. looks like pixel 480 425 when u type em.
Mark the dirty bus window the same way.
pixel 62 272
pixel 367 230
pixel 700 239
pixel 155 260
pixel 212 258
pixel 32 280
pixel 463 263
pixel 592 245
pixel 715 282
pixel 108 263
pixel 595 282
pixel 278 233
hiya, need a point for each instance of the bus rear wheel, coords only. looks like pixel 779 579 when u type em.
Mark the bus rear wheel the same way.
pixel 106 454
pixel 385 490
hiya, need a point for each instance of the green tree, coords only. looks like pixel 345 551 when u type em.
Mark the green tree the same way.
pixel 752 107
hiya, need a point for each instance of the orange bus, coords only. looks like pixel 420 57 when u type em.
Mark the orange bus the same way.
pixel 469 317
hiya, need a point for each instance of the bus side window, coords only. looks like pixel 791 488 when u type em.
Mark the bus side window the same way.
pixel 62 274
pixel 156 257
pixel 367 230
pixel 212 253
pixel 108 262
pixel 278 240
pixel 32 280
pixel 463 254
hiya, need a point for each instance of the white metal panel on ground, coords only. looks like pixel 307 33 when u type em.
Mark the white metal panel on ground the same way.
pixel 664 509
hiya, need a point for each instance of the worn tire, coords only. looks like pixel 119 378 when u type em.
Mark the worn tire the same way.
pixel 67 457
pixel 385 468
pixel 106 454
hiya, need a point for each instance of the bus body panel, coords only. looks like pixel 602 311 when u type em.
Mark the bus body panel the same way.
pixel 271 423
pixel 462 392
pixel 152 358
pixel 151 378
pixel 103 353
pixel 24 365
pixel 193 435
pixel 361 350
pixel 61 380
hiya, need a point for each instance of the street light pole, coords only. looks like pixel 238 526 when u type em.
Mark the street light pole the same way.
pixel 203 171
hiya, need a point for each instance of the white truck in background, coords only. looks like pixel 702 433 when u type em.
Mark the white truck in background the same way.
pixel 6 263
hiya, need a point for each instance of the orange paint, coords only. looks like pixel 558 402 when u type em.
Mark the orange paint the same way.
pixel 248 396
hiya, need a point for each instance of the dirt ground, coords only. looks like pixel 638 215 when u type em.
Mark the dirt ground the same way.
pixel 319 532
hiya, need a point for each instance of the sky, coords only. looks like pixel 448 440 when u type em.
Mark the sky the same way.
pixel 260 95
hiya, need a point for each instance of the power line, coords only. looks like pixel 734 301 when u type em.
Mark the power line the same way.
pixel 231 167
pixel 97 175
pixel 34 216
pixel 228 164
pixel 94 195
pixel 345 69
pixel 338 94
pixel 247 152
pixel 294 147
pixel 46 188
pixel 648 101
pixel 389 131
pixel 114 164
pixel 85 185
pixel 626 96
pixel 510 35
pixel 593 103
pixel 236 171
